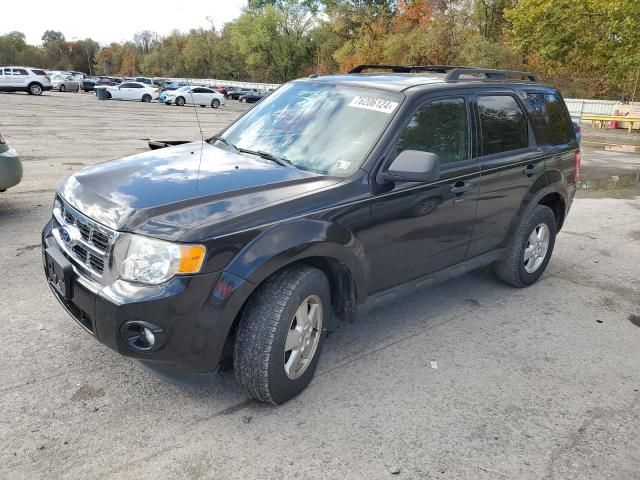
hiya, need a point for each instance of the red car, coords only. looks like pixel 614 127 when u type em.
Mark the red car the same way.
pixel 221 90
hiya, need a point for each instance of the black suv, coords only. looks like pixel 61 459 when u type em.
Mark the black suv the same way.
pixel 332 191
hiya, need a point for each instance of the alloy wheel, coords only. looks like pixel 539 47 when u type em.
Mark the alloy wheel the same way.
pixel 303 337
pixel 537 247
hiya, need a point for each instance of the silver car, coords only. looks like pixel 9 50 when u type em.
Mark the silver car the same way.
pixel 10 166
pixel 65 83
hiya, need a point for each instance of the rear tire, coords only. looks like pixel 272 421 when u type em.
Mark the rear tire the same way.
pixel 280 334
pixel 35 89
pixel 215 103
pixel 146 98
pixel 530 249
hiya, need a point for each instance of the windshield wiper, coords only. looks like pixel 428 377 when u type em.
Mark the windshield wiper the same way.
pixel 259 153
pixel 268 156
pixel 227 143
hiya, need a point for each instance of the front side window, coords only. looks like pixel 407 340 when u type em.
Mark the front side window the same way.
pixel 320 127
pixel 502 123
pixel 439 127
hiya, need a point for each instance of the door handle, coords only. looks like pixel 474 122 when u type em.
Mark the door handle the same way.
pixel 460 187
pixel 531 169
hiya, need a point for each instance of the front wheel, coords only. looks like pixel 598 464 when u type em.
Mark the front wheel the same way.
pixel 243 100
pixel 215 103
pixel 180 101
pixel 146 98
pixel 530 248
pixel 281 333
pixel 61 88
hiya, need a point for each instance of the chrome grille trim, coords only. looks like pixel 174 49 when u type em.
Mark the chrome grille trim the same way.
pixel 92 254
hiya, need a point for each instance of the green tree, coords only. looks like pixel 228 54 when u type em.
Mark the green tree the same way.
pixel 580 38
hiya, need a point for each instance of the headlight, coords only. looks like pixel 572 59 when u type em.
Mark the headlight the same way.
pixel 153 261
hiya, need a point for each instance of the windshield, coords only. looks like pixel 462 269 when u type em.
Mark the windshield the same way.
pixel 318 127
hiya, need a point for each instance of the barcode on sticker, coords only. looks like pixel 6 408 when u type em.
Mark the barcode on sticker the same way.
pixel 372 103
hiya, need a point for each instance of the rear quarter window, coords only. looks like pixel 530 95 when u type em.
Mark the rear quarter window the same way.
pixel 42 73
pixel 552 121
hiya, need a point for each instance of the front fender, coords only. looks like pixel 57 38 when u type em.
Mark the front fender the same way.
pixel 287 243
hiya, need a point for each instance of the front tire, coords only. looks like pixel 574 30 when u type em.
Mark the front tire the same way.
pixel 530 249
pixel 215 103
pixel 146 98
pixel 281 333
pixel 61 88
pixel 180 101
pixel 243 100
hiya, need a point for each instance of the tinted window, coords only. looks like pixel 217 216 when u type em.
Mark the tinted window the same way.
pixel 126 85
pixel 551 118
pixel 503 124
pixel 438 127
pixel 20 71
pixel 39 72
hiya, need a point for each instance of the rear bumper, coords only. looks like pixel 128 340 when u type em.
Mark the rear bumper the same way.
pixel 10 169
pixel 191 313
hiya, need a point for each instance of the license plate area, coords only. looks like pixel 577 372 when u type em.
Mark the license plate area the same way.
pixel 59 272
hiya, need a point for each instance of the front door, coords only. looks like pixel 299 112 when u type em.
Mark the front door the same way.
pixel 419 229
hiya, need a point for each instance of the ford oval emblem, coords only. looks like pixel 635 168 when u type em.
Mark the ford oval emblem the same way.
pixel 64 234
pixel 70 235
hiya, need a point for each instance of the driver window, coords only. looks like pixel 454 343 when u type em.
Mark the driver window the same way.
pixel 439 127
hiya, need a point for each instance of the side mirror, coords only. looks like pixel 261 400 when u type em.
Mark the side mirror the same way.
pixel 414 166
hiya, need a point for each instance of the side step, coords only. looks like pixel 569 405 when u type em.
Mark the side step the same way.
pixel 394 293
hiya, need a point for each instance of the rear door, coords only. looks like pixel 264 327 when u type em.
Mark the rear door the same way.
pixel 510 165
pixel 422 228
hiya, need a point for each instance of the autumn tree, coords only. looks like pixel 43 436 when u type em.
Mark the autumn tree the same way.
pixel 599 39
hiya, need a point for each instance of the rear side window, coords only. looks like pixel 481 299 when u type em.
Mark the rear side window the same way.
pixel 502 123
pixel 551 118
pixel 438 127
pixel 20 71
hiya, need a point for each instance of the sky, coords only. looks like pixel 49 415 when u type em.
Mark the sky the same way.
pixel 113 21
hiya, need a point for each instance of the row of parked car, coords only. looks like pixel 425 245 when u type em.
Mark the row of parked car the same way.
pixel 146 89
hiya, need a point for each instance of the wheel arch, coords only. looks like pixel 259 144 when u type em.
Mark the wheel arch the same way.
pixel 326 246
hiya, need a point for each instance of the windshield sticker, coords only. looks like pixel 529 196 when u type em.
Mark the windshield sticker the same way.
pixel 372 103
pixel 342 165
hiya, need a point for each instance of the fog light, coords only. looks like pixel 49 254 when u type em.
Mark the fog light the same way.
pixel 143 336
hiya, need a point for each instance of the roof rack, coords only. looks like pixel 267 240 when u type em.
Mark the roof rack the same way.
pixel 405 68
pixel 489 74
pixel 454 73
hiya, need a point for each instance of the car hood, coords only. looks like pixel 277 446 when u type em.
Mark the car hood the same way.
pixel 165 192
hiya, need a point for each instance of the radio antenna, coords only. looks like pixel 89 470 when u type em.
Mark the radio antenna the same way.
pixel 195 110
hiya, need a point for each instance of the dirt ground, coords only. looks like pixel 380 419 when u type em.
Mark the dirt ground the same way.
pixel 470 379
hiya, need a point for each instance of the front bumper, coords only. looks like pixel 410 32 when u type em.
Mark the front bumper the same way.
pixel 191 311
pixel 10 169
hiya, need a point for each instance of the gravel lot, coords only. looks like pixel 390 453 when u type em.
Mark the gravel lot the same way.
pixel 530 384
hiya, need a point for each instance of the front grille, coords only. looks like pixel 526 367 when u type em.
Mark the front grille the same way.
pixel 92 249
pixel 89 233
